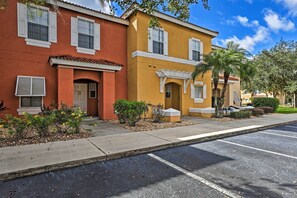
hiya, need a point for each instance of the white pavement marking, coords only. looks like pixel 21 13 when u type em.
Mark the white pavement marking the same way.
pixel 218 132
pixel 276 134
pixel 258 149
pixel 196 177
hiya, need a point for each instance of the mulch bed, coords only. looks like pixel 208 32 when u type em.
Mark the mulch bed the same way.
pixel 8 140
pixel 148 125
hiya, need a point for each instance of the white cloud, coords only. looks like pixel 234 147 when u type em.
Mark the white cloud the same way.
pixel 291 5
pixel 245 21
pixel 249 42
pixel 276 22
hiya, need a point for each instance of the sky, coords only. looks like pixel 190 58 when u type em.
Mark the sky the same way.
pixel 254 24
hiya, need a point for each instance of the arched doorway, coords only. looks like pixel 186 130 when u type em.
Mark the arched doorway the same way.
pixel 172 96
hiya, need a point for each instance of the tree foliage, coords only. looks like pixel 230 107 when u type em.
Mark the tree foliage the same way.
pixel 276 69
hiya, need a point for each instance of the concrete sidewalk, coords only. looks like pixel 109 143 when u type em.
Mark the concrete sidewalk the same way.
pixel 30 159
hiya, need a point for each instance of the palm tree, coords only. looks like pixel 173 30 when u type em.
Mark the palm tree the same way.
pixel 229 61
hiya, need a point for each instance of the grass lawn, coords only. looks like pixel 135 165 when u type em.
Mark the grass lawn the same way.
pixel 286 110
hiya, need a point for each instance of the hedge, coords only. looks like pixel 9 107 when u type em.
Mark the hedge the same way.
pixel 266 102
pixel 241 114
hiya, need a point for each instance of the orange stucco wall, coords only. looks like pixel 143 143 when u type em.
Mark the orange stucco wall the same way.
pixel 17 58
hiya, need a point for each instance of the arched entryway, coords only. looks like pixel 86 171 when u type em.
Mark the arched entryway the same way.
pixel 86 96
pixel 172 96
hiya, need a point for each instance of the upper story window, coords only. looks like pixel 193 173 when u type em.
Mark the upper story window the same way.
pixel 158 41
pixel 37 24
pixel 85 34
pixel 195 49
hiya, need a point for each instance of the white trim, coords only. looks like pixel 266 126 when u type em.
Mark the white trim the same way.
pixel 89 86
pixel 198 83
pixel 38 43
pixel 229 81
pixel 30 110
pixel 195 110
pixel 174 74
pixel 208 110
pixel 171 112
pixel 163 57
pixel 85 50
pixel 85 68
pixel 176 21
pixel 31 77
pixel 74 64
pixel 85 19
pixel 198 100
pixel 86 11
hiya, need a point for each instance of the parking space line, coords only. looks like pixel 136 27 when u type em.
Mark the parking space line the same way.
pixel 291 126
pixel 196 177
pixel 258 149
pixel 280 135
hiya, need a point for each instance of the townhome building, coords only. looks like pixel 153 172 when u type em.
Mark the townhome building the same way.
pixel 161 61
pixel 62 53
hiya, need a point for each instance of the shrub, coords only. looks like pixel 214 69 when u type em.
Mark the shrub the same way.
pixel 267 102
pixel 75 119
pixel 130 112
pixel 40 123
pixel 241 114
pixel 257 112
pixel 266 109
pixel 157 111
pixel 16 126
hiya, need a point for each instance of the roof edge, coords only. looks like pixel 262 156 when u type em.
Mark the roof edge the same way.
pixel 87 11
pixel 167 17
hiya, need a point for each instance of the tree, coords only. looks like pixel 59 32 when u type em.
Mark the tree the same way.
pixel 291 88
pixel 177 8
pixel 229 61
pixel 276 68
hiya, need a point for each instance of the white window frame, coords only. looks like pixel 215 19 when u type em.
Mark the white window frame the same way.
pixel 200 99
pixel 163 42
pixel 199 44
pixel 168 90
pixel 81 49
pixel 31 110
pixel 92 90
pixel 191 40
pixel 35 42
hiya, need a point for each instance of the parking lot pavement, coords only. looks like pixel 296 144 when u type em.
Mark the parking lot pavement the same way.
pixel 261 164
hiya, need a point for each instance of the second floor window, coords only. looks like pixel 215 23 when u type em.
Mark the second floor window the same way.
pixel 38 24
pixel 85 34
pixel 158 41
pixel 195 50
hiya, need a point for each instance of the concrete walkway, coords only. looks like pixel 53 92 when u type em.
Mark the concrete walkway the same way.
pixel 30 159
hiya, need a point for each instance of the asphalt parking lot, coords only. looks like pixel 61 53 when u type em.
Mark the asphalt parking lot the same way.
pixel 261 164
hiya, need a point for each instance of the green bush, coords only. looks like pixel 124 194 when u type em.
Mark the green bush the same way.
pixel 130 112
pixel 39 123
pixel 267 102
pixel 16 126
pixel 266 109
pixel 241 114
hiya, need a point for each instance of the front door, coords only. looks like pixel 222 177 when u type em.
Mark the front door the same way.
pixel 81 95
pixel 172 96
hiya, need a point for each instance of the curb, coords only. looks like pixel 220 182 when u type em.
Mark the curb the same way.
pixel 71 164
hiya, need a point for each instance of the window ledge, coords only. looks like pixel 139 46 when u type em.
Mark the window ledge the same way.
pixel 85 51
pixel 198 100
pixel 30 110
pixel 38 43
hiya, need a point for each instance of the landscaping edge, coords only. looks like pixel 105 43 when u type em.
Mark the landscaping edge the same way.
pixel 75 163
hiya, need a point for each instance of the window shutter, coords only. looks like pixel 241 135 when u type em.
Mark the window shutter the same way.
pixel 192 91
pixel 97 37
pixel 190 50
pixel 74 32
pixel 22 20
pixel 204 91
pixel 201 51
pixel 150 40
pixel 53 27
pixel 166 43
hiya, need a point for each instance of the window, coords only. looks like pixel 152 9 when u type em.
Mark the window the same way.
pixel 195 50
pixel 92 90
pixel 199 92
pixel 85 34
pixel 168 91
pixel 31 91
pixel 31 101
pixel 38 24
pixel 158 41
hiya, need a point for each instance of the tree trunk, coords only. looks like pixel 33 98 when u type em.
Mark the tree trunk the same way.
pixel 215 83
pixel 222 97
